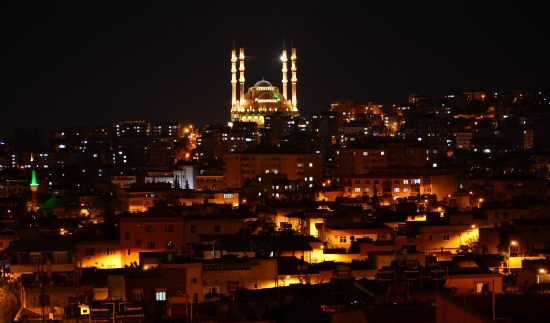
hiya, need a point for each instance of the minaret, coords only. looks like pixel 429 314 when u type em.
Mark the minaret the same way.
pixel 34 189
pixel 294 79
pixel 285 71
pixel 233 76
pixel 241 70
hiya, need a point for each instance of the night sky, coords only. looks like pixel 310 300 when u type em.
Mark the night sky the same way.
pixel 63 62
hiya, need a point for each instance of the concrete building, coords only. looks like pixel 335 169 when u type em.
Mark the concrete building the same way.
pixel 149 233
pixel 101 254
pixel 443 237
pixel 32 255
pixel 506 186
pixel 397 184
pixel 251 165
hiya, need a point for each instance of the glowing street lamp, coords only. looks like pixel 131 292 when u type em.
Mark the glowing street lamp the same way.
pixel 512 243
pixel 542 271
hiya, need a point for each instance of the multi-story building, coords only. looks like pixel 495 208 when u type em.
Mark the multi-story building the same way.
pixel 491 147
pixel 501 214
pixel 250 165
pixel 210 179
pixel 168 129
pixel 141 233
pixel 463 139
pixel 93 153
pixel 348 109
pixel 277 125
pixel 438 236
pixel 133 128
pixel 161 151
pixel 341 236
pixel 354 131
pixel 483 128
pixel 228 141
pixel 227 223
pixel 325 125
pixel 528 138
pixel 185 174
pixel 225 197
pixel 427 128
pixel 506 186
pixel 32 139
pixel 513 134
pixel 361 158
pixel 124 181
pixel 223 276
pixel 402 182
pixel 101 254
pixel 31 255
pixel 419 99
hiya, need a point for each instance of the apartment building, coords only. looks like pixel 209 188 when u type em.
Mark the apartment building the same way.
pixel 400 183
pixel 249 166
pixel 149 233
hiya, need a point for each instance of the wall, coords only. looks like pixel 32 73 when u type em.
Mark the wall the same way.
pixel 107 254
pixel 471 283
pixel 263 272
pixel 59 296
pixel 139 237
pixel 449 311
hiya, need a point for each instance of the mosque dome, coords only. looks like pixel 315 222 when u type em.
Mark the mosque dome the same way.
pixel 262 83
pixel 54 205
pixel 266 96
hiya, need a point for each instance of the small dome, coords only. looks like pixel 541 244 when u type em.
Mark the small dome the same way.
pixel 265 96
pixel 54 205
pixel 262 83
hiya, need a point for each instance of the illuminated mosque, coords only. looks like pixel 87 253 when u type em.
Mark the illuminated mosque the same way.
pixel 263 98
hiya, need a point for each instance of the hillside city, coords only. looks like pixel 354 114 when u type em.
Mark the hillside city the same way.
pixel 356 213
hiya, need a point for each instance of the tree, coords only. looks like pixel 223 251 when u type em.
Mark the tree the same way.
pixel 187 185
pixel 503 244
pixel 472 242
pixel 9 299
pixel 176 183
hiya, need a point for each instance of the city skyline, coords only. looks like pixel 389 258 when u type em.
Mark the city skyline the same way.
pixel 67 63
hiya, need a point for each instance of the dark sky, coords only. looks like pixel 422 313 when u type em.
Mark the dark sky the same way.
pixel 64 61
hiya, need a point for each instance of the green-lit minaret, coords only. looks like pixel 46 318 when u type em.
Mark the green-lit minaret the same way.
pixel 34 188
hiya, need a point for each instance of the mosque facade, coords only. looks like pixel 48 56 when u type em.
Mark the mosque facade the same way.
pixel 263 98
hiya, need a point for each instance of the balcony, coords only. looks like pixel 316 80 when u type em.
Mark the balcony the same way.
pixel 30 268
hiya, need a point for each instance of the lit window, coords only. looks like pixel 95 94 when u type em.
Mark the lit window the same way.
pixel 160 296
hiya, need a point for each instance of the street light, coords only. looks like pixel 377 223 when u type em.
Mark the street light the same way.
pixel 542 271
pixel 512 243
pixel 479 204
